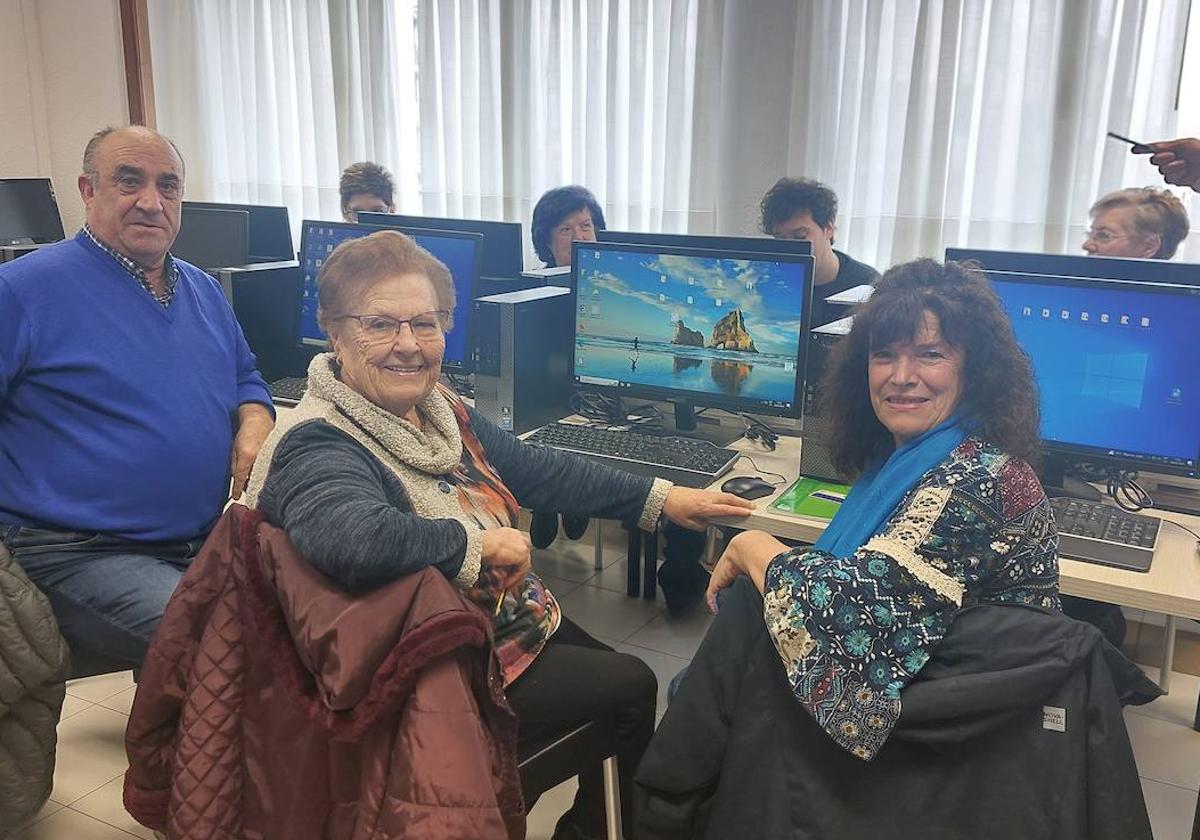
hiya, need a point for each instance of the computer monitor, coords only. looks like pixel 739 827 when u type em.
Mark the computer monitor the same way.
pixel 28 212
pixel 744 244
pixel 212 239
pixel 270 230
pixel 502 248
pixel 1115 363
pixel 708 328
pixel 1081 265
pixel 459 251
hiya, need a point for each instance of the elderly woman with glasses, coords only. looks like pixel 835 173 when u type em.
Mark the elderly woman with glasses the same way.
pixel 381 472
pixel 1137 222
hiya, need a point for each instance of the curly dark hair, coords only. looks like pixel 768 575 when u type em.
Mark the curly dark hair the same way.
pixel 999 395
pixel 554 206
pixel 791 196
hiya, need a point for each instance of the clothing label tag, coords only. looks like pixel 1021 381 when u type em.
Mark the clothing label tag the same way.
pixel 1054 717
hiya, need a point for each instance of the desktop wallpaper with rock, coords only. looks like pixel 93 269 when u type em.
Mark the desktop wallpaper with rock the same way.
pixel 719 326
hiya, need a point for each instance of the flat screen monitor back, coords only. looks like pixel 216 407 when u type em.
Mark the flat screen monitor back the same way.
pixel 707 242
pixel 502 248
pixel 1081 265
pixel 212 239
pixel 28 212
pixel 270 229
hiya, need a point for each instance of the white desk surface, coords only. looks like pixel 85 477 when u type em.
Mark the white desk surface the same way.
pixel 1172 586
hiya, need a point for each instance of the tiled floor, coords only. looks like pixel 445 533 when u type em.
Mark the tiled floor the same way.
pixel 86 801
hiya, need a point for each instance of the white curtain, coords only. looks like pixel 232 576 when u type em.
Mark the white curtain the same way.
pixel 270 99
pixel 518 96
pixel 979 122
pixel 937 122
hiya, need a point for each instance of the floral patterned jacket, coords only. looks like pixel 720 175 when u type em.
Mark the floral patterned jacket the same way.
pixel 853 632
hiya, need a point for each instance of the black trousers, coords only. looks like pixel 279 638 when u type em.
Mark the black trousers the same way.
pixel 576 679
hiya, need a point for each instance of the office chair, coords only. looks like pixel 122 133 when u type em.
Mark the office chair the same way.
pixel 554 760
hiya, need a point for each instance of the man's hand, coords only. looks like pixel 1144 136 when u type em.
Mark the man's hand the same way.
pixel 505 557
pixel 1178 161
pixel 695 509
pixel 254 424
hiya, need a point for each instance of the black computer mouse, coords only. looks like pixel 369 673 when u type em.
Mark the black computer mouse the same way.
pixel 748 487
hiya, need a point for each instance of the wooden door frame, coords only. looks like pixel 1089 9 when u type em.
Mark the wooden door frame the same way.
pixel 139 77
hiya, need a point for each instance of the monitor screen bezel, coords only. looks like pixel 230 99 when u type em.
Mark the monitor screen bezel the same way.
pixel 1090 454
pixel 255 210
pixel 705 399
pixel 1132 269
pixel 57 232
pixel 488 228
pixel 212 213
pixel 462 307
pixel 718 242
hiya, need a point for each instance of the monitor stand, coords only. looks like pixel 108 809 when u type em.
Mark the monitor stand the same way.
pixel 1057 483
pixel 686 424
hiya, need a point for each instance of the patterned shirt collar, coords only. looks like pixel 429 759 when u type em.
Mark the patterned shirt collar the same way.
pixel 170 270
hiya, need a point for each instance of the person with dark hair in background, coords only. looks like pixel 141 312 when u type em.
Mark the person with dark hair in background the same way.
pixel 366 187
pixel 561 216
pixel 800 208
pixel 1141 222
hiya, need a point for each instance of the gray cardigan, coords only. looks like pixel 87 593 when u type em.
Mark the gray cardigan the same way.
pixel 352 518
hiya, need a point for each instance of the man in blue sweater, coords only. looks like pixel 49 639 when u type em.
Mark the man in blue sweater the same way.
pixel 129 401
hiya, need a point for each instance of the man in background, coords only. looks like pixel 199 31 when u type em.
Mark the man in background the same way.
pixel 366 187
pixel 800 208
pixel 129 400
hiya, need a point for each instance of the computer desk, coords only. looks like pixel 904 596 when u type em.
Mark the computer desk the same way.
pixel 1171 586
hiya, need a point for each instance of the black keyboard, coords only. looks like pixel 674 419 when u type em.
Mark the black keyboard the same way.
pixel 685 461
pixel 289 390
pixel 1099 533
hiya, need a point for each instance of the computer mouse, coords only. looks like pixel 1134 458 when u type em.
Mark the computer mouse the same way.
pixel 748 487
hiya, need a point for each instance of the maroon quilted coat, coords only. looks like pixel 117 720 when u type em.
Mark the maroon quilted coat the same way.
pixel 272 705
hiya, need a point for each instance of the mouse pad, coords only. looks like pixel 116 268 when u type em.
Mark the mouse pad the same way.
pixel 812 497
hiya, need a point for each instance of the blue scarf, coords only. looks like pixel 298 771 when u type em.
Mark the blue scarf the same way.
pixel 878 491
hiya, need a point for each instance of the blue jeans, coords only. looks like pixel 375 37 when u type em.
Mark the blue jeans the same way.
pixel 108 594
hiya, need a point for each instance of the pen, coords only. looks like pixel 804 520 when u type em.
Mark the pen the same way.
pixel 499 603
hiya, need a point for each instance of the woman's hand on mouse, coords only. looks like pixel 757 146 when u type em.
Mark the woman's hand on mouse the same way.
pixel 695 509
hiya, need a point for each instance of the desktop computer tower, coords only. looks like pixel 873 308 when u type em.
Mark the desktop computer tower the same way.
pixel 265 298
pixel 523 364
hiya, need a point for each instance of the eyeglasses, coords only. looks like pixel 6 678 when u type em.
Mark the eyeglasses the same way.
pixel 381 329
pixel 1102 236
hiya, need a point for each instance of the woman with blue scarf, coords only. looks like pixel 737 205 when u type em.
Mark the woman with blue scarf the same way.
pixel 934 411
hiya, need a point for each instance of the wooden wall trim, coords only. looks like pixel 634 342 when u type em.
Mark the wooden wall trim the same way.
pixel 139 77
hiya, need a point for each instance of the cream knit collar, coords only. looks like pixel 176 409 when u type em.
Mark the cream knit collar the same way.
pixel 435 449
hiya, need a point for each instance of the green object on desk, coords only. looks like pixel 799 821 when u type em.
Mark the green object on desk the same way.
pixel 801 501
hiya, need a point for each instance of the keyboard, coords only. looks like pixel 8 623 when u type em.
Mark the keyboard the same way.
pixel 685 461
pixel 289 390
pixel 1099 533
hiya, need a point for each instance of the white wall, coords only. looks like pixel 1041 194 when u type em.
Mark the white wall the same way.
pixel 64 78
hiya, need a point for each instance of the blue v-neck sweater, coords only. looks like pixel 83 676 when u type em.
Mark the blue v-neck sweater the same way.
pixel 116 415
